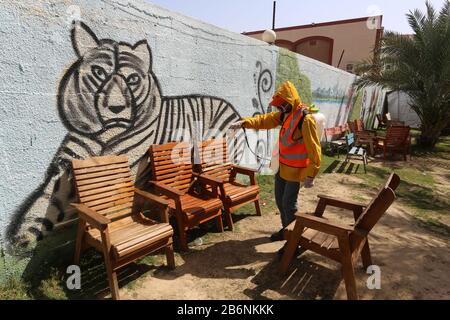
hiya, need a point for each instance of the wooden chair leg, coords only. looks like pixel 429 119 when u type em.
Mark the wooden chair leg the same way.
pixel 290 247
pixel 112 276
pixel 219 223
pixel 170 256
pixel 365 255
pixel 257 207
pixel 183 239
pixel 113 284
pixel 79 241
pixel 229 218
pixel 182 234
pixel 347 269
pixel 349 279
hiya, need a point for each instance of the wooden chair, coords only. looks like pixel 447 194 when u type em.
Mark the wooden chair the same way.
pixel 398 139
pixel 111 218
pixel 216 167
pixel 354 152
pixel 192 199
pixel 362 134
pixel 341 243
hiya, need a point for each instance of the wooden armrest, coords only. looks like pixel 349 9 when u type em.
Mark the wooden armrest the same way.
pixel 160 203
pixel 243 170
pixel 344 204
pixel 215 183
pixel 205 178
pixel 91 216
pixel 166 190
pixel 154 199
pixel 323 225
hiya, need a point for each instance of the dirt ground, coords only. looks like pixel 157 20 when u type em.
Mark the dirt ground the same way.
pixel 243 264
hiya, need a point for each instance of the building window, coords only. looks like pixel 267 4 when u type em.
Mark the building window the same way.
pixel 315 47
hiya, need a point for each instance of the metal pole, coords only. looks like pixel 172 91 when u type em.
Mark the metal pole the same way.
pixel 273 16
pixel 340 59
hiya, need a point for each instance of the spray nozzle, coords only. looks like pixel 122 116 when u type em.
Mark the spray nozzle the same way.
pixel 313 109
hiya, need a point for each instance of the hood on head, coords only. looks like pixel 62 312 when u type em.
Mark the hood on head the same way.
pixel 288 93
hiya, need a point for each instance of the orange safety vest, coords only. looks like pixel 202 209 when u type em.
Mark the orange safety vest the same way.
pixel 292 152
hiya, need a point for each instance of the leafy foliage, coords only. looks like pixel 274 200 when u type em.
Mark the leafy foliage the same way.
pixel 418 65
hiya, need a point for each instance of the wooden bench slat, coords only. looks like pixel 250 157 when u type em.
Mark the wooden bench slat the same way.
pixel 101 174
pixel 120 207
pixel 181 169
pixel 101 168
pixel 111 203
pixel 179 175
pixel 169 146
pixel 99 161
pixel 113 197
pixel 105 183
pixel 104 178
pixel 106 190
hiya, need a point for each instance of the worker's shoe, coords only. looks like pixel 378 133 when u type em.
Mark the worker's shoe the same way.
pixel 277 236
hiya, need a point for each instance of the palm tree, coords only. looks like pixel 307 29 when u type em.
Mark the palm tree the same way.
pixel 418 65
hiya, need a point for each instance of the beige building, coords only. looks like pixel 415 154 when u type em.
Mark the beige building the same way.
pixel 341 43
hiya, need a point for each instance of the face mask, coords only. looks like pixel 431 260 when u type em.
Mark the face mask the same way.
pixel 285 108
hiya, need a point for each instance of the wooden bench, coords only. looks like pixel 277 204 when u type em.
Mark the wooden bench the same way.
pixel 341 243
pixel 355 152
pixel 192 199
pixel 111 218
pixel 216 167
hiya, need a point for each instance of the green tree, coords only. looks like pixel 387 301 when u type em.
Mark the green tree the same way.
pixel 418 65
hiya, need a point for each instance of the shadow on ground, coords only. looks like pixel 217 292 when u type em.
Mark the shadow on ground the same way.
pixel 45 275
pixel 338 166
pixel 305 280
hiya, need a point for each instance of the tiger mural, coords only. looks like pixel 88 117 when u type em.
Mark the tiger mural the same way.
pixel 110 102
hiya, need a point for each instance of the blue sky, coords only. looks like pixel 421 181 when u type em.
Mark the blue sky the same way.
pixel 250 15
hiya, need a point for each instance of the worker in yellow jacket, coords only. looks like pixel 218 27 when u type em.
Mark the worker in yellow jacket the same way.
pixel 299 149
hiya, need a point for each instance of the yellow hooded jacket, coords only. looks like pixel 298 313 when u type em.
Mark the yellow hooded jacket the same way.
pixel 288 93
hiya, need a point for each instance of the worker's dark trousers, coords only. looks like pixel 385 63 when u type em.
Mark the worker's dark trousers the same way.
pixel 286 193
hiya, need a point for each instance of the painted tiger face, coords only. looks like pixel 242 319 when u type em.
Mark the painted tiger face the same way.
pixel 108 87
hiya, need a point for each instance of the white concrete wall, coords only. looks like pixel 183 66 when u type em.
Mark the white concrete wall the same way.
pixel 192 69
pixel 398 107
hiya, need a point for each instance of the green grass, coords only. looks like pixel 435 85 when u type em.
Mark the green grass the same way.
pixel 441 150
pixel 267 198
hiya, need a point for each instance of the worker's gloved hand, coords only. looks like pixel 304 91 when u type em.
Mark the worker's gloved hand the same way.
pixel 309 182
pixel 237 125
